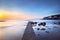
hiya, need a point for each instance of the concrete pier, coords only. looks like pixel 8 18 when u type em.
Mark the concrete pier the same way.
pixel 29 33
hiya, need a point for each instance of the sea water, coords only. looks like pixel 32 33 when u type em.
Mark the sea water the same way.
pixel 52 30
pixel 13 29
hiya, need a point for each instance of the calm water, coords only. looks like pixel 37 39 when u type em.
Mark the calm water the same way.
pixel 12 29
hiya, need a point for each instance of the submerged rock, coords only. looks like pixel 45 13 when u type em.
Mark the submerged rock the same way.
pixel 58 23
pixel 55 27
pixel 43 29
pixel 47 31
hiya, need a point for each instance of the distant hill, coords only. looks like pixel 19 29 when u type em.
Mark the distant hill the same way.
pixel 53 17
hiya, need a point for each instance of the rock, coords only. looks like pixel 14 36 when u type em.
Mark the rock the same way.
pixel 43 24
pixel 38 28
pixel 43 29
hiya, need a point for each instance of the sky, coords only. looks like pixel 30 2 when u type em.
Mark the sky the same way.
pixel 31 8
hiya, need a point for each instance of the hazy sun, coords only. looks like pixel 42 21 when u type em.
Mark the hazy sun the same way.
pixel 1 16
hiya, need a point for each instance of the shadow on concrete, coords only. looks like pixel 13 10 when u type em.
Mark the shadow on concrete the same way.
pixel 29 33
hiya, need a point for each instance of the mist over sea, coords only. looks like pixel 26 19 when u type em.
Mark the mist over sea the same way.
pixel 14 29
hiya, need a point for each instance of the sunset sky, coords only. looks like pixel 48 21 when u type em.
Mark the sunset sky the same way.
pixel 28 9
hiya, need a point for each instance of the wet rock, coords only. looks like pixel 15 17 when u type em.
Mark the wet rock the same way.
pixel 39 24
pixel 43 24
pixel 35 22
pixel 38 28
pixel 32 22
pixel 43 29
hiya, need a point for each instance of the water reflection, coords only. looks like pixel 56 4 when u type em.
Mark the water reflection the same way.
pixel 50 29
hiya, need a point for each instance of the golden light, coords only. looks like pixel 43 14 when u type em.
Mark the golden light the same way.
pixel 6 15
pixel 1 15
